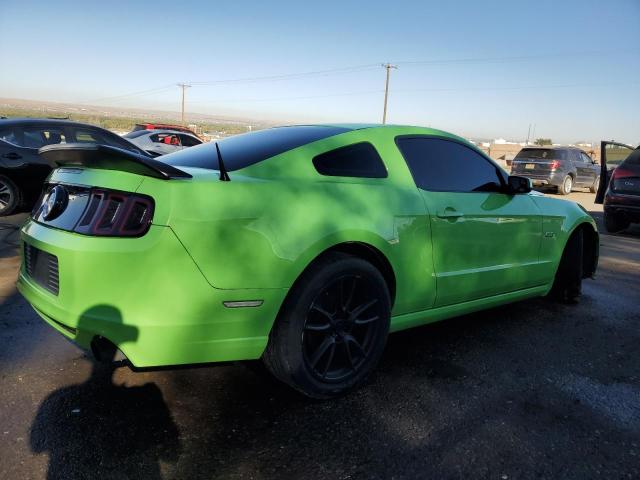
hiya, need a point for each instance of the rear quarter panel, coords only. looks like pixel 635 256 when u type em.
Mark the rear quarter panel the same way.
pixel 264 227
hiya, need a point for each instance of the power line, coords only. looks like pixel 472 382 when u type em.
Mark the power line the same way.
pixel 510 59
pixel 357 69
pixel 287 76
pixel 132 94
pixel 447 89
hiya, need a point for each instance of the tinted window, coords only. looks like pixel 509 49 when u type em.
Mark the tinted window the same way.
pixel 633 158
pixel 585 158
pixel 8 135
pixel 135 133
pixel 85 136
pixel 189 141
pixel 444 165
pixel 240 151
pixel 542 154
pixel 358 160
pixel 34 137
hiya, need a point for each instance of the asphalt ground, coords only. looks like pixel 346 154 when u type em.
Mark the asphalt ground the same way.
pixel 530 390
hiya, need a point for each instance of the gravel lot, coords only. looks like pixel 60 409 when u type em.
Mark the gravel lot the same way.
pixel 529 390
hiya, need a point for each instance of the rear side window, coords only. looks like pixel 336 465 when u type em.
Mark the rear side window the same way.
pixel 357 160
pixel 447 166
pixel 189 141
pixel 633 158
pixel 165 138
pixel 240 151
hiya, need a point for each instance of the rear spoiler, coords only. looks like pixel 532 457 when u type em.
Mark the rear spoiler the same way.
pixel 105 157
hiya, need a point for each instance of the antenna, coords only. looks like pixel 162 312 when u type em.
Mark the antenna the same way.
pixel 224 176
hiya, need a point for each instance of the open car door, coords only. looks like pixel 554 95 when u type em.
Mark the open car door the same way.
pixel 612 154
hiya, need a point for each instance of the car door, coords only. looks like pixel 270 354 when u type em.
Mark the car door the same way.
pixel 590 171
pixel 485 242
pixel 19 157
pixel 579 165
pixel 612 154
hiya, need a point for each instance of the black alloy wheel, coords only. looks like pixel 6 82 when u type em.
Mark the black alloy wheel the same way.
pixel 332 328
pixel 340 328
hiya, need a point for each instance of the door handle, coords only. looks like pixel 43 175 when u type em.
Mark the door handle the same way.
pixel 449 212
pixel 12 156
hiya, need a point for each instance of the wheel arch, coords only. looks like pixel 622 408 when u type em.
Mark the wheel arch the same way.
pixel 591 247
pixel 361 249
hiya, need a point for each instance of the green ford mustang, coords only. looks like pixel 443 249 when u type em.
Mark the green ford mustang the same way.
pixel 303 246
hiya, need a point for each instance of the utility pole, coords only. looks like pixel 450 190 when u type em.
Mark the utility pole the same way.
pixel 388 66
pixel 528 134
pixel 183 86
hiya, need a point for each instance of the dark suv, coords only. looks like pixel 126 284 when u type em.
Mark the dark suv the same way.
pixel 559 167
pixel 619 189
pixel 23 171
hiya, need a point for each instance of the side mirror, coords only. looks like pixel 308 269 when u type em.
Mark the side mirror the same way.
pixel 519 184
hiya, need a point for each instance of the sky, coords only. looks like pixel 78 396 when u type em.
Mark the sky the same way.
pixel 479 69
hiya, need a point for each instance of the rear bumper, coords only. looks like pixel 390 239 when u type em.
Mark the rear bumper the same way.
pixel 630 211
pixel 553 179
pixel 146 296
pixel 623 204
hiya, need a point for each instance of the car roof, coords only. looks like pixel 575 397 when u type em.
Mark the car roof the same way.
pixel 44 121
pixel 550 147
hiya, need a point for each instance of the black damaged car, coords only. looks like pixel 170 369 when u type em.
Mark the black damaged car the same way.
pixel 23 171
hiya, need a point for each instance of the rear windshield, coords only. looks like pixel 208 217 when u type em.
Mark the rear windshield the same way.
pixel 633 158
pixel 240 151
pixel 542 154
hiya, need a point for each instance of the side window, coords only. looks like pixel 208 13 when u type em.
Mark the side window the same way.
pixel 447 166
pixel 166 138
pixel 9 135
pixel 357 160
pixel 35 137
pixel 189 141
pixel 585 158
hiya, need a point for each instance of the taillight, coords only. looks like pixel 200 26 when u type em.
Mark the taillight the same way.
pixel 620 180
pixel 116 214
pixel 555 164
pixel 623 173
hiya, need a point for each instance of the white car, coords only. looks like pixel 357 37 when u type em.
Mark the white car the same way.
pixel 162 142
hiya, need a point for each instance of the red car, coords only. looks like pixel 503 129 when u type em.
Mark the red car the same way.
pixel 619 189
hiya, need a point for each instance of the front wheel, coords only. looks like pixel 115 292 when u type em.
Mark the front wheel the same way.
pixel 332 329
pixel 567 185
pixel 596 183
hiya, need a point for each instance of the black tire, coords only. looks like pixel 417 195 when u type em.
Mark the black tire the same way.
pixel 566 186
pixel 10 196
pixel 614 223
pixel 567 285
pixel 326 340
pixel 594 188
